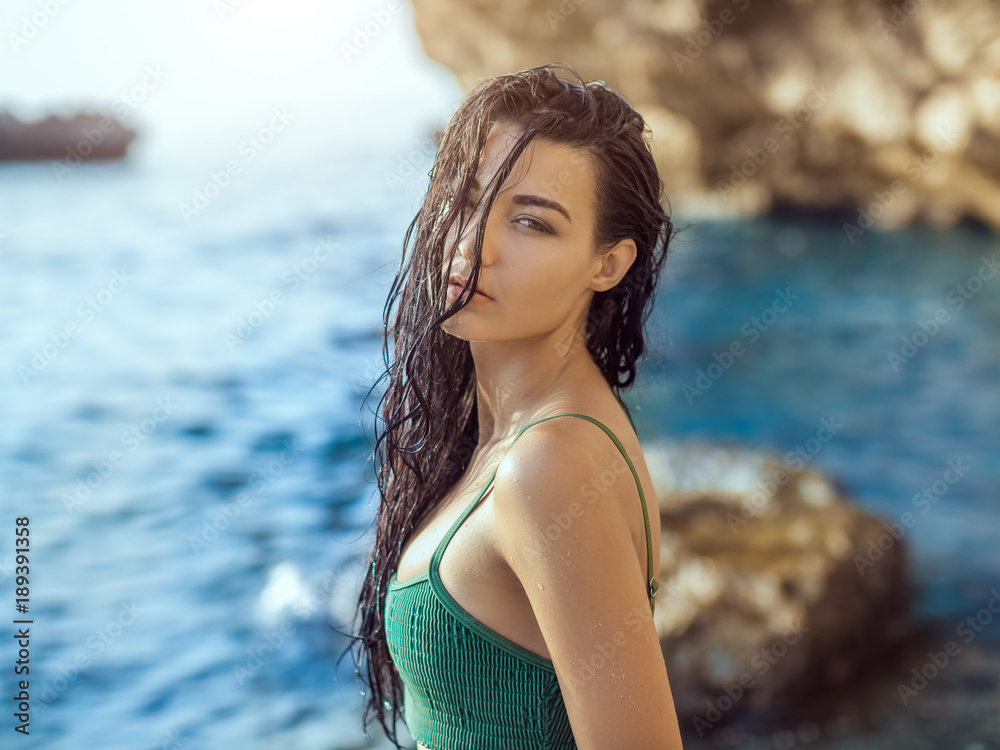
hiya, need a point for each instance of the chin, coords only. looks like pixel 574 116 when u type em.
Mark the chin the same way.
pixel 463 329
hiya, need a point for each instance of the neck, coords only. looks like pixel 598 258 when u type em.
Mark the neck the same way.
pixel 520 381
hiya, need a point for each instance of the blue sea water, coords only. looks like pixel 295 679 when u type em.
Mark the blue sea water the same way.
pixel 894 338
pixel 181 410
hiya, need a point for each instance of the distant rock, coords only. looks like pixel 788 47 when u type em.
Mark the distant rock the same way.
pixel 87 136
pixel 775 592
pixel 883 112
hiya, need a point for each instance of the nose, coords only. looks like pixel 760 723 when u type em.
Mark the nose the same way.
pixel 467 245
pixel 467 242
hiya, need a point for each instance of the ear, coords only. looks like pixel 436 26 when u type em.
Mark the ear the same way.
pixel 613 265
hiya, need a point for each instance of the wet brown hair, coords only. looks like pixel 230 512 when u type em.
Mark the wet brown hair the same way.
pixel 428 411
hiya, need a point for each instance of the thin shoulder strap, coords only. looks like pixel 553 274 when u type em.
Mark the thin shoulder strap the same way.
pixel 652 583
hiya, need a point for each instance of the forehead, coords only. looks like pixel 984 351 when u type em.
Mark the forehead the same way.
pixel 551 170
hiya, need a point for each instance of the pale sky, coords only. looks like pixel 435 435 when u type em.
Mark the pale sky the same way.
pixel 190 73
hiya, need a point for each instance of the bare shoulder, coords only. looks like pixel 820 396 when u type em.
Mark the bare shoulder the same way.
pixel 565 506
pixel 547 504
pixel 561 461
pixel 558 460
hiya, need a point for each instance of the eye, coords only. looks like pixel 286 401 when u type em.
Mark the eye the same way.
pixel 534 224
pixel 465 206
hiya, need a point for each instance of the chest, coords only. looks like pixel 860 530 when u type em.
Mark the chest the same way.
pixel 470 556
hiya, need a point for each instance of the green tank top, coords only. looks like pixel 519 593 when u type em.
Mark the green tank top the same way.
pixel 466 686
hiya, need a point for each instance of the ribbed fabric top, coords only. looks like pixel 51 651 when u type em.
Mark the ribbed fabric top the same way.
pixel 465 686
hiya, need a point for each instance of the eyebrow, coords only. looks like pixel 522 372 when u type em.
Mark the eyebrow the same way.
pixel 528 200
pixel 537 200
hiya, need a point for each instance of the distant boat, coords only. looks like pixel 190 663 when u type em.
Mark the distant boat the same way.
pixel 87 136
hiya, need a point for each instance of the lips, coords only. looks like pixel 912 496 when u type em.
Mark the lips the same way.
pixel 459 281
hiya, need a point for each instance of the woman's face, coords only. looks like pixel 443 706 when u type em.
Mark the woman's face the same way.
pixel 538 258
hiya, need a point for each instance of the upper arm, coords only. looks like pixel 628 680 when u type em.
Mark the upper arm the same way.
pixel 573 553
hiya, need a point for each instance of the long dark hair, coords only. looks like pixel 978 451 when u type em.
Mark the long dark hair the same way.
pixel 430 421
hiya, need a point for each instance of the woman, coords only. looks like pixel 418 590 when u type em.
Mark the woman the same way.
pixel 537 250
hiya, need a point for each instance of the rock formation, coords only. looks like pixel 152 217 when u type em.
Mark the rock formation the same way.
pixel 774 590
pixel 84 137
pixel 877 111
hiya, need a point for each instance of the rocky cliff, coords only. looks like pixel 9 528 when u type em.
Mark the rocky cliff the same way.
pixel 880 111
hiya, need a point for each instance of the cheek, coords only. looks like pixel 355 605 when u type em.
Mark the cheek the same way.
pixel 543 285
